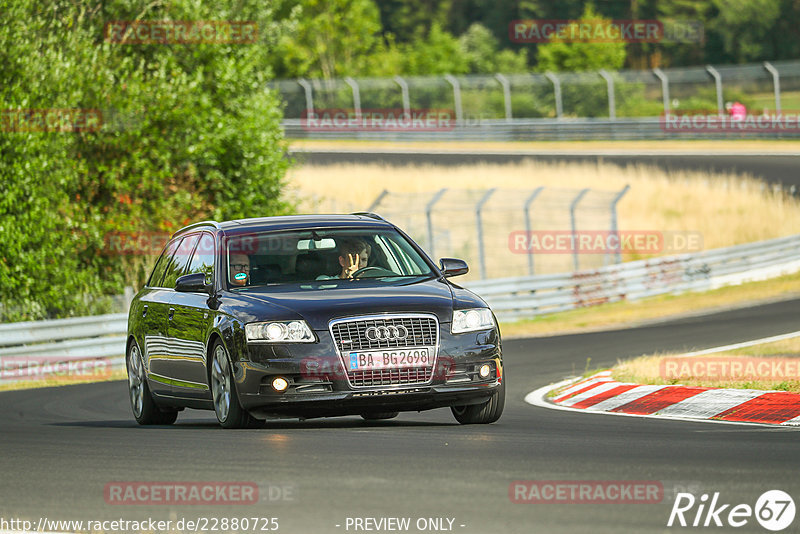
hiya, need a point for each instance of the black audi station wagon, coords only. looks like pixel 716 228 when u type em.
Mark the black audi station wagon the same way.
pixel 309 316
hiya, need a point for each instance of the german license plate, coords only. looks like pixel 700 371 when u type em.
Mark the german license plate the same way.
pixel 389 359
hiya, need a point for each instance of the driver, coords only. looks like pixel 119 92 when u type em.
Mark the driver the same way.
pixel 353 255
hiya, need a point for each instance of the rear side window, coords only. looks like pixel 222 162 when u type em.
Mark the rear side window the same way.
pixel 179 260
pixel 161 266
pixel 203 258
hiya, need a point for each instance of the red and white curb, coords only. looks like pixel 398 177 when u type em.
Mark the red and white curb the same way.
pixel 601 394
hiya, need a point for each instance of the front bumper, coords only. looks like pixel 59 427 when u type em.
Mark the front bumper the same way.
pixel 318 386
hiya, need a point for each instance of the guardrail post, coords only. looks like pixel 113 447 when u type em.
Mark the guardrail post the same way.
pixel 614 226
pixel 776 83
pixel 428 210
pixel 528 228
pixel 718 83
pixel 356 96
pixel 378 199
pixel 572 207
pixel 506 95
pixel 664 87
pixel 557 92
pixel 456 97
pixel 612 102
pixel 481 252
pixel 309 95
pixel 404 91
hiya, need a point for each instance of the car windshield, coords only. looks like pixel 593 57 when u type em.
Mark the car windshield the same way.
pixel 268 258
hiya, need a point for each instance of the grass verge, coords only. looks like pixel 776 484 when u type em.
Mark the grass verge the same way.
pixel 768 366
pixel 119 374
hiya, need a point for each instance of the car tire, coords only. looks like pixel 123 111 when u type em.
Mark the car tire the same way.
pixel 230 413
pixel 144 408
pixel 482 414
pixel 378 416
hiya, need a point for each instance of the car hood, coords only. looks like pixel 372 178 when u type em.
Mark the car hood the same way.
pixel 319 302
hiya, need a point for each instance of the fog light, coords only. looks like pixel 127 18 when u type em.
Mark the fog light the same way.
pixel 280 384
pixel 485 370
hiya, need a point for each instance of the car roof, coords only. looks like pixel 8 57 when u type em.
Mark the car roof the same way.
pixel 291 222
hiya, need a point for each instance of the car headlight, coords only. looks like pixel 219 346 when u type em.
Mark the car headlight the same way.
pixel 279 332
pixel 471 320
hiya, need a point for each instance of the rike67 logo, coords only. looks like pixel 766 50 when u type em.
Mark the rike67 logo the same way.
pixel 774 510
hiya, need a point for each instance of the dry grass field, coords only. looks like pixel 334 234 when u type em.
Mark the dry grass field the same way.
pixel 724 209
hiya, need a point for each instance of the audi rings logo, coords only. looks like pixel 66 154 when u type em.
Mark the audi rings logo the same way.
pixel 378 333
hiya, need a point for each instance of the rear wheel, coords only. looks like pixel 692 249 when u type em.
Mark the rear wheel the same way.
pixel 377 416
pixel 230 413
pixel 485 413
pixel 144 407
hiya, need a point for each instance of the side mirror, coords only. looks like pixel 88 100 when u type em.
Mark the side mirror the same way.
pixel 453 267
pixel 192 283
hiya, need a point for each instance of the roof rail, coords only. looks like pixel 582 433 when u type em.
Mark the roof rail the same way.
pixel 368 214
pixel 215 224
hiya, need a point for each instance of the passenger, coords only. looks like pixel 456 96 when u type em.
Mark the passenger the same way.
pixel 240 265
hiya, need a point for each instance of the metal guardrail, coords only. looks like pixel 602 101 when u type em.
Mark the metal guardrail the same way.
pixel 529 296
pixel 102 337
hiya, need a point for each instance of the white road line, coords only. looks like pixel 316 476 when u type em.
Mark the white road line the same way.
pixel 743 344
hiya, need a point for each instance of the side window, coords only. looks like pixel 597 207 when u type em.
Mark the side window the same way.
pixel 179 260
pixel 161 266
pixel 203 258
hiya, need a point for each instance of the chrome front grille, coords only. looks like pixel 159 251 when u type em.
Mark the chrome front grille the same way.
pixel 349 335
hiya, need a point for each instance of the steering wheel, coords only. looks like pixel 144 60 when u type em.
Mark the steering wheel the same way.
pixel 365 269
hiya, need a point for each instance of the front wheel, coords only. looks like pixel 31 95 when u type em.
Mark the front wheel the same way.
pixel 488 412
pixel 230 413
pixel 144 407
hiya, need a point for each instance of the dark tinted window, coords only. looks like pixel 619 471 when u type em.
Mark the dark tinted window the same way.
pixel 203 258
pixel 177 264
pixel 161 266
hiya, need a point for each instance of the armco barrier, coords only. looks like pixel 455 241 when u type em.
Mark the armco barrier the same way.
pixel 102 337
pixel 77 339
pixel 528 296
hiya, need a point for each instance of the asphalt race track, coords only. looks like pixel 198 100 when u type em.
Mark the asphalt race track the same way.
pixel 772 168
pixel 61 446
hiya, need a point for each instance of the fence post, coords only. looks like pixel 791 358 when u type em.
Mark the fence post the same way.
pixel 776 83
pixel 428 210
pixel 309 95
pixel 718 83
pixel 528 228
pixel 404 90
pixel 614 226
pixel 664 87
pixel 557 92
pixel 356 96
pixel 612 102
pixel 378 199
pixel 481 252
pixel 506 95
pixel 572 207
pixel 456 97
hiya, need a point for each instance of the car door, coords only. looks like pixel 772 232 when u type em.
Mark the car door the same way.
pixel 188 327
pixel 154 309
